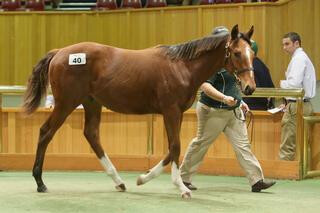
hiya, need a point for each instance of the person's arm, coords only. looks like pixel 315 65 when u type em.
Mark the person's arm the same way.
pixel 213 93
pixel 295 76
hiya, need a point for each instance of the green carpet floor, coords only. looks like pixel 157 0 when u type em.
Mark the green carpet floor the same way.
pixel 94 192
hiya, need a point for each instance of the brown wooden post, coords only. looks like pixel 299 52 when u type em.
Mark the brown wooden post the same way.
pixel 299 135
pixel 1 139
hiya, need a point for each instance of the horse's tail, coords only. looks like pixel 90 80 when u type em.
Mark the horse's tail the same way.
pixel 37 84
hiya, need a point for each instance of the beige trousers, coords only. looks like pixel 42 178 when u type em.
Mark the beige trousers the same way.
pixel 288 129
pixel 211 122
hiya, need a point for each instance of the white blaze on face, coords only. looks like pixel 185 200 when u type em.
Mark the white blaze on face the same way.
pixel 248 54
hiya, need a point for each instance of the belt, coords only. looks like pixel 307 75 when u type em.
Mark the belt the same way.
pixel 304 100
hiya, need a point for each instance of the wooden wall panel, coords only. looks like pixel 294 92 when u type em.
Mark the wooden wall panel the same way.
pixel 4 124
pixel 188 130
pixel 124 134
pixel 7 54
pixel 271 49
pixel 120 134
pixel 315 147
pixel 316 41
pixel 146 29
pixel 307 24
pixel 160 143
pixel 179 26
pixel 220 16
pixel 131 139
pixel 26 37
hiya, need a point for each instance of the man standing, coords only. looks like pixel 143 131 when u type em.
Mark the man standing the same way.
pixel 300 74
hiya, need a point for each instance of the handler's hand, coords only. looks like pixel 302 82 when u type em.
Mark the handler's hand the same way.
pixel 245 108
pixel 230 101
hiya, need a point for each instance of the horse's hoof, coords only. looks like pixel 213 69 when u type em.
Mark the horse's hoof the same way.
pixel 186 195
pixel 139 181
pixel 121 188
pixel 42 188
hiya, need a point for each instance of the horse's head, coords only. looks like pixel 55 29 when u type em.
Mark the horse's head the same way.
pixel 239 57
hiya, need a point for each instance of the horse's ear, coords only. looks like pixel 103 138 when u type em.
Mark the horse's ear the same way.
pixel 234 32
pixel 250 32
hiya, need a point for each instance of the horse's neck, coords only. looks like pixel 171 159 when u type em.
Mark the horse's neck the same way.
pixel 205 66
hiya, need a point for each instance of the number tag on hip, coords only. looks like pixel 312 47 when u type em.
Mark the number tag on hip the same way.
pixel 77 59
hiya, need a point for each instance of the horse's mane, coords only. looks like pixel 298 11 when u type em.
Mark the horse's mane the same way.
pixel 193 49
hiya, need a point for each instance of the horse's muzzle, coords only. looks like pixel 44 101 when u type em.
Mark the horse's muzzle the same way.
pixel 248 90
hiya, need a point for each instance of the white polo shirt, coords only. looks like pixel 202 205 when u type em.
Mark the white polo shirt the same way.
pixel 300 74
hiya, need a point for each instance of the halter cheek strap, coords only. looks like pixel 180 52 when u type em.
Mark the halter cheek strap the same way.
pixel 228 56
pixel 227 50
pixel 237 72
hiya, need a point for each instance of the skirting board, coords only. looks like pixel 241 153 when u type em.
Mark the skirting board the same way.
pixel 213 166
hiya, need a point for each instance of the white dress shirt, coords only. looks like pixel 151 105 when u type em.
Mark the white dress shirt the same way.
pixel 300 74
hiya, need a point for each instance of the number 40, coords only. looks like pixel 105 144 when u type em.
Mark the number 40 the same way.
pixel 76 60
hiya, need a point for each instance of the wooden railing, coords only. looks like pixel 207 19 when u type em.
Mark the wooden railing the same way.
pixel 311 147
pixel 298 94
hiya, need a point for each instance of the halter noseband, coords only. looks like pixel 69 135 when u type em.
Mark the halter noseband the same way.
pixel 243 70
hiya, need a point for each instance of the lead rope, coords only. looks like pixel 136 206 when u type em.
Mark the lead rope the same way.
pixel 250 117
pixel 251 121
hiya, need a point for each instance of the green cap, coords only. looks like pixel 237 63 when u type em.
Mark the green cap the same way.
pixel 254 47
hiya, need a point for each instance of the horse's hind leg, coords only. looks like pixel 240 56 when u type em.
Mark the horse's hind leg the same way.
pixel 47 131
pixel 91 132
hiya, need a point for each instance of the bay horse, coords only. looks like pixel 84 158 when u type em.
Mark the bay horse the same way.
pixel 162 79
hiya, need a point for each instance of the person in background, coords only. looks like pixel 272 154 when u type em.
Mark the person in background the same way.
pixel 55 3
pixel 263 79
pixel 221 109
pixel 300 74
pixel 49 102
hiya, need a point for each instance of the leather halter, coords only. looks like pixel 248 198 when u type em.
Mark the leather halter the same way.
pixel 228 56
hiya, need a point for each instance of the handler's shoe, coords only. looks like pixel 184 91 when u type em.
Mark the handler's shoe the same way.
pixel 262 184
pixel 190 186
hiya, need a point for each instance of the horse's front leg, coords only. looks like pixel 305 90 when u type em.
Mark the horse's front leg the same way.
pixel 91 131
pixel 172 120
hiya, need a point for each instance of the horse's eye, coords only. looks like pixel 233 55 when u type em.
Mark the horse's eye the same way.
pixel 237 54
